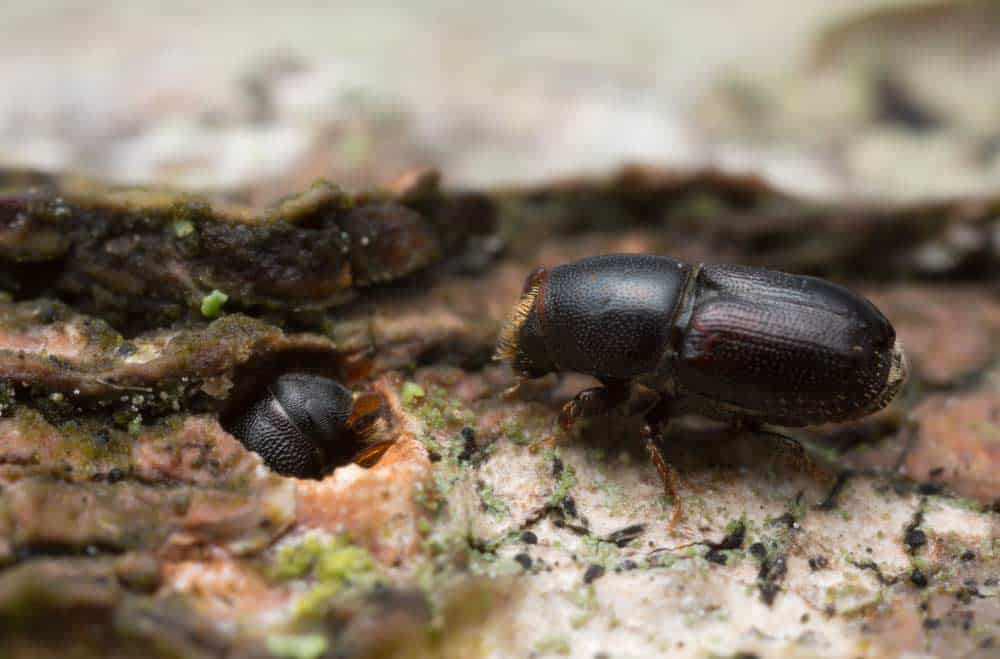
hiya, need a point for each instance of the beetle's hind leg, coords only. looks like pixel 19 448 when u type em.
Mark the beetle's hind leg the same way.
pixel 792 452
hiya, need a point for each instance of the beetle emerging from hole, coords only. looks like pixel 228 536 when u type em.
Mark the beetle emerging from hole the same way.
pixel 744 345
pixel 305 425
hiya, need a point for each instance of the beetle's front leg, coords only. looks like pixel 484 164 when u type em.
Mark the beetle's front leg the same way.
pixel 594 402
pixel 588 404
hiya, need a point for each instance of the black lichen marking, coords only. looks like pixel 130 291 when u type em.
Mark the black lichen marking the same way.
pixel 468 444
pixel 732 540
pixel 928 489
pixel 918 578
pixel 529 538
pixel 593 573
pixel 561 523
pixel 874 567
pixel 818 563
pixel 968 555
pixel 787 520
pixel 772 571
pixel 622 537
pixel 524 560
pixel 913 537
pixel 714 556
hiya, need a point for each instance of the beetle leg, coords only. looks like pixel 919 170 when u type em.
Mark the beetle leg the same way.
pixel 593 402
pixel 652 429
pixel 369 456
pixel 668 474
pixel 793 453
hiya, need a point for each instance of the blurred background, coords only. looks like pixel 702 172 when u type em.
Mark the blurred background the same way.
pixel 856 97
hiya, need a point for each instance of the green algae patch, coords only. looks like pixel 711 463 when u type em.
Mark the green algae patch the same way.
pixel 493 504
pixel 344 564
pixel 555 644
pixel 411 392
pixel 295 561
pixel 211 304
pixel 515 432
pixel 565 480
pixel 325 557
pixel 306 646
pixel 335 565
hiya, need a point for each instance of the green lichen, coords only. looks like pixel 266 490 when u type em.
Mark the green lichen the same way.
pixel 614 494
pixel 313 603
pixel 489 564
pixel 294 561
pixel 309 646
pixel 211 304
pixel 554 644
pixel 601 552
pixel 344 564
pixel 515 432
pixel 493 504
pixel 330 559
pixel 565 483
pixel 432 416
pixel 336 566
pixel 332 562
pixel 411 392
pixel 437 409
pixel 585 599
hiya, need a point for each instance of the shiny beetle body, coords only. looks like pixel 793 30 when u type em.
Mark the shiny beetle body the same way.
pixel 731 342
pixel 297 424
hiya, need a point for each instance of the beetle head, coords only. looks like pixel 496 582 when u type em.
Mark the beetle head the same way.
pixel 522 339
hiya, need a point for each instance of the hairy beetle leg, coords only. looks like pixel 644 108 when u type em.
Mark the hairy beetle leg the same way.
pixel 657 416
pixel 668 474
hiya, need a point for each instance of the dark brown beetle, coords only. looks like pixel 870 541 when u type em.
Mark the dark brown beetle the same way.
pixel 306 424
pixel 741 344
